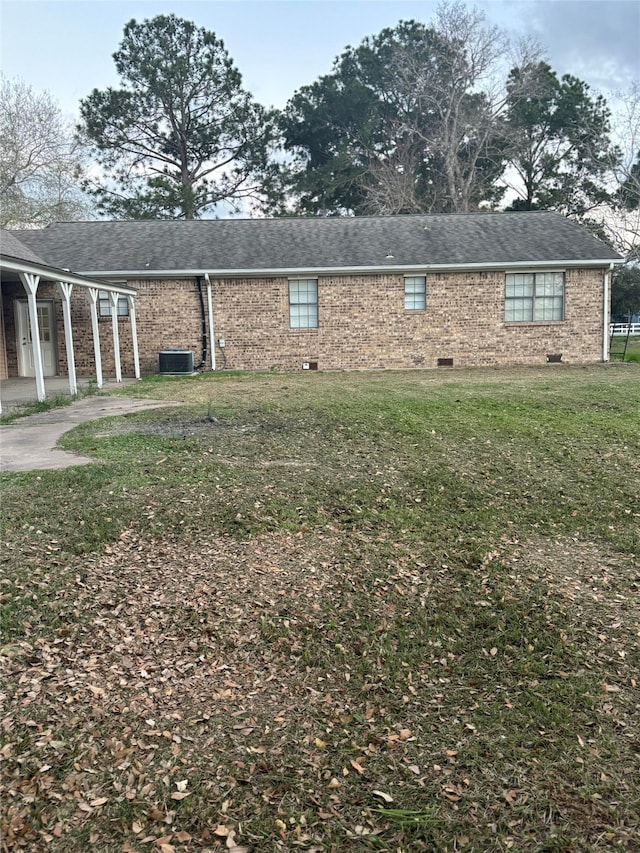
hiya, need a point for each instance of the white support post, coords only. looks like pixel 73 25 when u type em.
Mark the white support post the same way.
pixel 65 291
pixel 30 283
pixel 134 335
pixel 113 302
pixel 93 305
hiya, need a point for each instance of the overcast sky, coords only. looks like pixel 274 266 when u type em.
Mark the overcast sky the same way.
pixel 66 46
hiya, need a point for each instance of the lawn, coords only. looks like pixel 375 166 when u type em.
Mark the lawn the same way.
pixel 387 611
pixel 619 343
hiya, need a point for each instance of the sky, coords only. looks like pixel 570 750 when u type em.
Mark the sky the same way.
pixel 66 46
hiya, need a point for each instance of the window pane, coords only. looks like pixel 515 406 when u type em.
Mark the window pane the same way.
pixel 534 297
pixel 519 284
pixel 303 303
pixel 415 292
pixel 104 305
pixel 303 290
pixel 43 324
pixel 518 310
pixel 548 308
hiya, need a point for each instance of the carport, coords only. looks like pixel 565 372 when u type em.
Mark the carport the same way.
pixel 18 263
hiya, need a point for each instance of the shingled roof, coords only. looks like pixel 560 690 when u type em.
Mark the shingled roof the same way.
pixel 12 247
pixel 315 244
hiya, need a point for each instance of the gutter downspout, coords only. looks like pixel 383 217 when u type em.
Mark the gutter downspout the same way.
pixel 203 324
pixel 605 314
pixel 212 338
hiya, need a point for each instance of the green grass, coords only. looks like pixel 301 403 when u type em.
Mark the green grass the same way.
pixel 632 352
pixel 373 611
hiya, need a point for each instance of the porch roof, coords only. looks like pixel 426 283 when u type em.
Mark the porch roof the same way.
pixel 16 258
pixel 12 247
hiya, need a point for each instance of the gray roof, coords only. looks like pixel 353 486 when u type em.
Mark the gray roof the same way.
pixel 12 247
pixel 253 245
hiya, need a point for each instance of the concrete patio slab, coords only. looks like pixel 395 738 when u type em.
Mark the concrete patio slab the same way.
pixel 29 444
pixel 17 392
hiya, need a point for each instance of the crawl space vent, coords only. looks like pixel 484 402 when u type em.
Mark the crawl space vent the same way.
pixel 176 361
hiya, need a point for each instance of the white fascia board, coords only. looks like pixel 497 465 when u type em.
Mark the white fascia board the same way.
pixel 56 274
pixel 285 272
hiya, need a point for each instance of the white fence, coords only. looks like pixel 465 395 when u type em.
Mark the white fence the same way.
pixel 624 328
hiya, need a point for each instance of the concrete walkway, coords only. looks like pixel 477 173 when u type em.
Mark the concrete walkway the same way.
pixel 29 443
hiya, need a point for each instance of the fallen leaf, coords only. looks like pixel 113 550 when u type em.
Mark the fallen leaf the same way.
pixel 383 796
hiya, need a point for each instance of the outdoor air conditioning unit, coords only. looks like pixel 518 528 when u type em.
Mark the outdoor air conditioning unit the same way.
pixel 176 361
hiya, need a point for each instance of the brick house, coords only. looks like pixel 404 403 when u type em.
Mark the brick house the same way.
pixel 332 293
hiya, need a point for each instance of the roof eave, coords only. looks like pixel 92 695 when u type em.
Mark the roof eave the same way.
pixel 271 272
pixel 56 274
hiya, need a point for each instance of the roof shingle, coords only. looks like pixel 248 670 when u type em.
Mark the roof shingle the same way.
pixel 13 247
pixel 316 243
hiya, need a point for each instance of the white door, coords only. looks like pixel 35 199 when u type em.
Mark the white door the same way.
pixel 26 365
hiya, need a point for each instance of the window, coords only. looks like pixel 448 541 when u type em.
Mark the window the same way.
pixel 104 306
pixel 303 303
pixel 534 297
pixel 415 293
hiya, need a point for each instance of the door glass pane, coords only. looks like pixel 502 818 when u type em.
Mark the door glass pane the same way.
pixel 44 323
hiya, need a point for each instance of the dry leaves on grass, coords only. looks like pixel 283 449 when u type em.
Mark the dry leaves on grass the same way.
pixel 186 688
pixel 173 661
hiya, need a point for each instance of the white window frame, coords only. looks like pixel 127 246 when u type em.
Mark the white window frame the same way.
pixel 535 296
pixel 303 303
pixel 415 292
pixel 104 305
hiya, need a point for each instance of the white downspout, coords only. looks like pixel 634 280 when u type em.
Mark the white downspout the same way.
pixel 605 314
pixel 212 337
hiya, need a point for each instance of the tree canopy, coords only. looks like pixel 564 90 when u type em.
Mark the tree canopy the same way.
pixel 417 118
pixel 400 125
pixel 625 292
pixel 558 141
pixel 40 161
pixel 181 135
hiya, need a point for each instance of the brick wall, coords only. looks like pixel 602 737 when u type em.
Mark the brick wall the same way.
pixel 362 324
